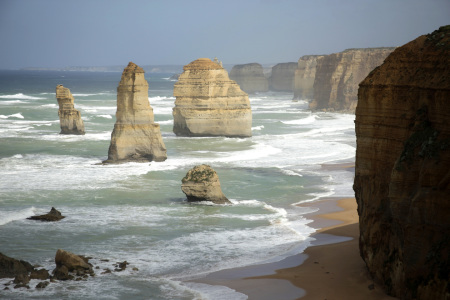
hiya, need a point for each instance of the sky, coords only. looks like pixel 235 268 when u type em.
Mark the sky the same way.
pixel 62 33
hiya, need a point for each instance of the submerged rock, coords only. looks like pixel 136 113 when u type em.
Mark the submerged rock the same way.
pixel 51 216
pixel 402 177
pixel 69 118
pixel 208 103
pixel 136 137
pixel 201 183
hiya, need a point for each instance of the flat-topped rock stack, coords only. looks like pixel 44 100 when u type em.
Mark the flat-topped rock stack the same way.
pixel 136 137
pixel 69 118
pixel 209 103
pixel 250 77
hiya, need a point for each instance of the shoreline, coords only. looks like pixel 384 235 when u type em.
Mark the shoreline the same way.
pixel 329 268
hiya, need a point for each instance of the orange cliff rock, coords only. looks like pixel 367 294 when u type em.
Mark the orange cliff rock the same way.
pixel 282 78
pixel 136 137
pixel 69 117
pixel 402 180
pixel 304 77
pixel 338 75
pixel 208 103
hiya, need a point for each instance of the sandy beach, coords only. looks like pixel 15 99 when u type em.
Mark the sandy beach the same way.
pixel 331 268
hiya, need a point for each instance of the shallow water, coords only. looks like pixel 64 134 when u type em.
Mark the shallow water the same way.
pixel 136 211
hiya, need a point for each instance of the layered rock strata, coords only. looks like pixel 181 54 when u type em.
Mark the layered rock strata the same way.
pixel 201 183
pixel 304 77
pixel 338 75
pixel 69 118
pixel 282 78
pixel 402 180
pixel 136 137
pixel 250 77
pixel 208 103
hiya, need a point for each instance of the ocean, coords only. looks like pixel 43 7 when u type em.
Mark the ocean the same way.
pixel 137 211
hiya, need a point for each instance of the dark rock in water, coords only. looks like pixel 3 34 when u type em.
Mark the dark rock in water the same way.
pixel 62 273
pixel 51 216
pixel 10 267
pixel 21 279
pixel 120 266
pixel 42 284
pixel 41 274
pixel 71 261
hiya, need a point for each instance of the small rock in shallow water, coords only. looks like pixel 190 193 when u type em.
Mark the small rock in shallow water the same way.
pixel 42 284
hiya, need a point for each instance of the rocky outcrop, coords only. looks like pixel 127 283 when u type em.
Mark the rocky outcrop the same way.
pixel 304 77
pixel 201 183
pixel 11 267
pixel 338 75
pixel 52 216
pixel 208 103
pixel 69 118
pixel 250 77
pixel 67 262
pixel 282 78
pixel 136 137
pixel 402 179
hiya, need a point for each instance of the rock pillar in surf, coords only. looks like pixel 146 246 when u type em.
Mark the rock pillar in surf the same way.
pixel 201 183
pixel 136 137
pixel 69 118
pixel 209 103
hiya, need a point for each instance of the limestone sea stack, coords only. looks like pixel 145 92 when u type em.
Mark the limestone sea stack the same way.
pixel 69 118
pixel 304 77
pixel 136 137
pixel 208 103
pixel 338 76
pixel 250 77
pixel 201 183
pixel 402 179
pixel 282 78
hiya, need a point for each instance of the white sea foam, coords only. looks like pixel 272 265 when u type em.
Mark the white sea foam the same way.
pixel 10 216
pixel 106 116
pixel 20 96
pixel 260 127
pixel 307 120
pixel 165 122
pixel 17 115
pixel 11 102
pixel 159 98
pixel 53 105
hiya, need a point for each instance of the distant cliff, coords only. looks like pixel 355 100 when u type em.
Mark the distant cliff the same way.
pixel 338 75
pixel 304 77
pixel 250 77
pixel 282 78
pixel 402 179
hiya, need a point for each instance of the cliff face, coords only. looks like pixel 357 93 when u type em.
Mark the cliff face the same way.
pixel 338 76
pixel 304 77
pixel 250 77
pixel 402 180
pixel 69 118
pixel 208 103
pixel 136 137
pixel 282 78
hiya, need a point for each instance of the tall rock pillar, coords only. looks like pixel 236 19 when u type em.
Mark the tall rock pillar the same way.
pixel 69 118
pixel 136 137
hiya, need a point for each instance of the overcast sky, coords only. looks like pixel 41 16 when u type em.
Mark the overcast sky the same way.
pixel 60 33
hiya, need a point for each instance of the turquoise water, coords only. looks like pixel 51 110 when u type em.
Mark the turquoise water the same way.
pixel 136 211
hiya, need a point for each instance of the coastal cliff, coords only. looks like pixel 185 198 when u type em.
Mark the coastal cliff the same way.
pixel 282 78
pixel 338 75
pixel 250 77
pixel 304 77
pixel 69 117
pixel 136 137
pixel 402 179
pixel 208 103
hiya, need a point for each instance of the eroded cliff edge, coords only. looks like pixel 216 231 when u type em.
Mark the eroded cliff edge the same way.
pixel 402 179
pixel 338 75
pixel 250 77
